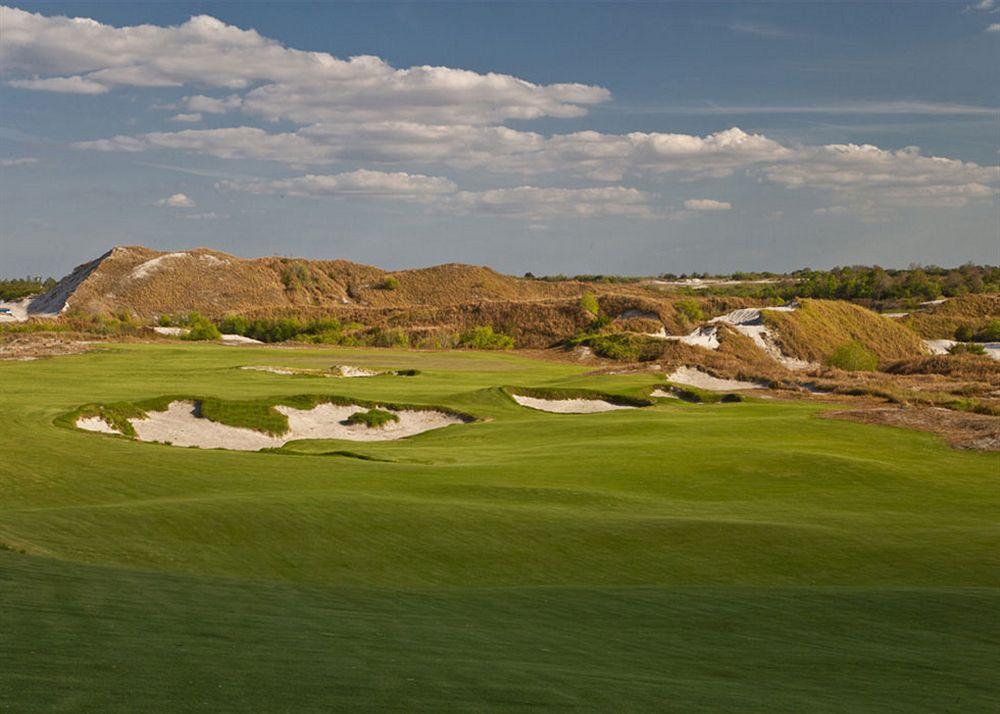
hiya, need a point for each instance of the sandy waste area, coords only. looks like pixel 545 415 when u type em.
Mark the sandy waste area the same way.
pixel 179 425
pixel 569 406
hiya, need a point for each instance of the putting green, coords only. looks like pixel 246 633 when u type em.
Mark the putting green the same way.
pixel 680 556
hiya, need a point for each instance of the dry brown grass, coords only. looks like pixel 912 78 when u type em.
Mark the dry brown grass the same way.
pixel 961 430
pixel 819 327
pixel 939 322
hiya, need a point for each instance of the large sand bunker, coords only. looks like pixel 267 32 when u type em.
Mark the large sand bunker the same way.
pixel 569 406
pixel 693 377
pixel 337 370
pixel 750 322
pixel 181 425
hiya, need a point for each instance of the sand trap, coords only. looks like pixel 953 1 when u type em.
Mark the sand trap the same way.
pixel 939 347
pixel 748 321
pixel 663 394
pixel 95 424
pixel 694 377
pixel 179 425
pixel 346 370
pixel 707 337
pixel 569 406
pixel 171 331
pixel 238 339
pixel 273 370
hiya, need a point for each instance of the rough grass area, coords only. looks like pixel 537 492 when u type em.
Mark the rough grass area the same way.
pixel 940 322
pixel 623 346
pixel 699 557
pixel 373 418
pixel 818 328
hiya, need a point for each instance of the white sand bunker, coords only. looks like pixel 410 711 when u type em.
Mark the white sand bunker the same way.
pixel 181 426
pixel 748 321
pixel 569 406
pixel 663 394
pixel 693 377
pixel 337 370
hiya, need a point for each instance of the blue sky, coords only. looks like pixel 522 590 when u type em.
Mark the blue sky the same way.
pixel 558 137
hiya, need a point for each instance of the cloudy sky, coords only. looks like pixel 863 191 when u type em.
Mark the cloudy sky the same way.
pixel 562 137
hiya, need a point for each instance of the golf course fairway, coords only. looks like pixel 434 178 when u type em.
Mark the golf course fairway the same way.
pixel 682 556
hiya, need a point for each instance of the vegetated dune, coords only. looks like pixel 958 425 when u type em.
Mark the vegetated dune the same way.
pixel 149 283
pixel 818 327
pixel 941 320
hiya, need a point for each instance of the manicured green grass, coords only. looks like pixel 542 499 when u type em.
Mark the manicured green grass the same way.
pixel 681 556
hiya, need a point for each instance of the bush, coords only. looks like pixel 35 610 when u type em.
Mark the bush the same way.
pixel 853 357
pixel 964 333
pixel 389 338
pixel 690 309
pixel 390 283
pixel 966 348
pixel 589 303
pixel 625 347
pixel 234 325
pixel 484 338
pixel 200 328
pixel 990 333
pixel 373 418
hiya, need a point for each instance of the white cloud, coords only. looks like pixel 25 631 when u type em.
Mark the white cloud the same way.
pixel 210 216
pixel 993 27
pixel 242 142
pixel 534 203
pixel 441 194
pixel 212 105
pixel 706 204
pixel 363 182
pixel 189 118
pixel 66 85
pixel 18 161
pixel 178 200
pixel 290 84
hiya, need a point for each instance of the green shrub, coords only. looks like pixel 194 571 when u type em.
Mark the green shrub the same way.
pixel 202 328
pixel 964 333
pixel 690 309
pixel 390 283
pixel 853 357
pixel 484 338
pixel 966 348
pixel 625 346
pixel 234 325
pixel 388 338
pixel 990 333
pixel 589 303
pixel 373 418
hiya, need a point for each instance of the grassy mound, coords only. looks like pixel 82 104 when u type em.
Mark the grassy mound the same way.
pixel 373 418
pixel 940 322
pixel 819 328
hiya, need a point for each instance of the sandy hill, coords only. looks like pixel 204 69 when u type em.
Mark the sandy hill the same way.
pixel 148 283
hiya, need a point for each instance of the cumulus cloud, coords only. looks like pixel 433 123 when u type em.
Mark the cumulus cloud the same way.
pixel 178 200
pixel 363 182
pixel 18 161
pixel 188 118
pixel 65 85
pixel 993 27
pixel 242 142
pixel 706 204
pixel 287 83
pixel 441 194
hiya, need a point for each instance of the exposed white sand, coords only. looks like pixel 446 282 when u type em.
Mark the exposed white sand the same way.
pixel 96 424
pixel 748 321
pixel 237 339
pixel 663 394
pixel 707 337
pixel 993 350
pixel 18 310
pixel 267 368
pixel 935 302
pixel 180 426
pixel 144 270
pixel 346 370
pixel 171 331
pixel 895 315
pixel 939 347
pixel 693 377
pixel 569 406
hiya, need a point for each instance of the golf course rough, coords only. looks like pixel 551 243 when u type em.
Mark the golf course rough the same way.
pixel 692 557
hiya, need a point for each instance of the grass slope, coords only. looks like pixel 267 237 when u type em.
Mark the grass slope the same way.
pixel 686 556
